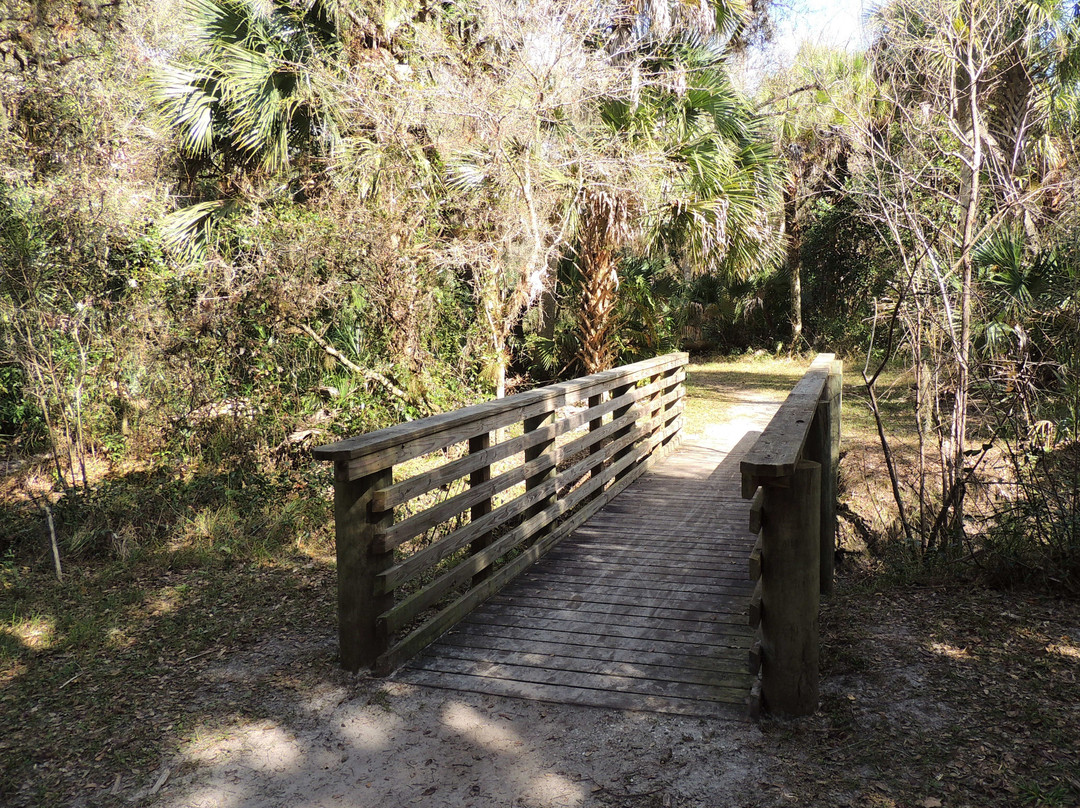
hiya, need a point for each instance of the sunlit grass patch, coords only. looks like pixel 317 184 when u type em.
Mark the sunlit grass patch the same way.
pixel 714 386
pixel 32 633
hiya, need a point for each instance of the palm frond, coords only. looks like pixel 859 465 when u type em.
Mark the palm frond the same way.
pixel 219 20
pixel 189 98
pixel 465 172
pixel 187 232
pixel 254 88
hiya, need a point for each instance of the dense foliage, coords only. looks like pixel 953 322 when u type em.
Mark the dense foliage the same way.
pixel 233 229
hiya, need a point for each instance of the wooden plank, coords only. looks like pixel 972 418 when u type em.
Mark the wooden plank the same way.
pixel 579 696
pixel 757 511
pixel 718 557
pixel 691 523
pixel 675 563
pixel 453 613
pixel 477 479
pixel 701 550
pixel 699 521
pixel 401 492
pixel 780 446
pixel 753 661
pixel 601 569
pixel 725 660
pixel 693 526
pixel 653 583
pixel 696 612
pixel 829 450
pixel 755 561
pixel 592 681
pixel 732 613
pixel 687 493
pixel 397 443
pixel 635 668
pixel 610 630
pixel 558 612
pixel 754 617
pixel 688 653
pixel 643 578
pixel 622 531
pixel 732 587
pixel 729 562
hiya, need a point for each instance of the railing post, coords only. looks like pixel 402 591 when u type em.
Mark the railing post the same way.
pixel 823 446
pixel 621 390
pixel 595 424
pixel 790 591
pixel 831 397
pixel 532 453
pixel 357 565
pixel 482 475
pixel 673 409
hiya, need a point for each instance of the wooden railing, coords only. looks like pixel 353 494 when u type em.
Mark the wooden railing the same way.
pixel 434 516
pixel 790 476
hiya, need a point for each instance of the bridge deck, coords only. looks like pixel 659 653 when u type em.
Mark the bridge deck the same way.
pixel 643 608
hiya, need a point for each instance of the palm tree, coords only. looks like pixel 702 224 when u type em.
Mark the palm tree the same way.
pixel 605 227
pixel 809 105
pixel 251 97
pixel 711 179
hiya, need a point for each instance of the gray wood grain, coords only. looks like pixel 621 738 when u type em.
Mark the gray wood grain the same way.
pixel 641 608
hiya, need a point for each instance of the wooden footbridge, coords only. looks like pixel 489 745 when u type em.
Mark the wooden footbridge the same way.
pixel 561 545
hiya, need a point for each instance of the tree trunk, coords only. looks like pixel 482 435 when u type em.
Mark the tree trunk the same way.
pixel 970 199
pixel 597 304
pixel 794 258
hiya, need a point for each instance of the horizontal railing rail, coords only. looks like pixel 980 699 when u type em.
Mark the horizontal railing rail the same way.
pixel 434 516
pixel 790 474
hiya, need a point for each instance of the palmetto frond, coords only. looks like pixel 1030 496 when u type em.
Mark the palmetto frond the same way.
pixel 253 88
pixel 1017 278
pixel 726 175
pixel 187 231
pixel 252 92
pixel 715 19
pixel 188 98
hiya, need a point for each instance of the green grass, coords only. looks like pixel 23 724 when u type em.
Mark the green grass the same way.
pixel 715 385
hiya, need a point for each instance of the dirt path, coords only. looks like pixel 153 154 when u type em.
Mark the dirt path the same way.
pixel 367 744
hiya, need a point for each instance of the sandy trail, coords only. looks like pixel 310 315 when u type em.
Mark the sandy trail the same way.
pixel 385 744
